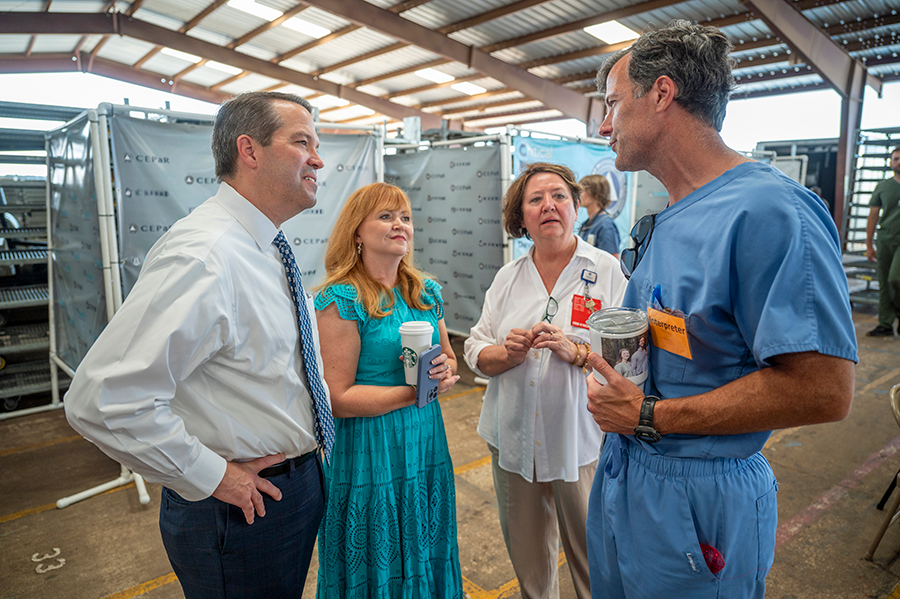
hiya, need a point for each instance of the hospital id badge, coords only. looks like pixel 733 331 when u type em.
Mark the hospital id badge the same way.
pixel 669 332
pixel 581 310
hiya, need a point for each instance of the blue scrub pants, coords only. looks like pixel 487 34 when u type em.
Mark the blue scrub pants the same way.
pixel 648 515
pixel 217 555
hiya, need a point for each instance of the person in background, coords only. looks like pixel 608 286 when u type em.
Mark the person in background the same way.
pixel 390 520
pixel 885 202
pixel 199 383
pixel 751 331
pixel 599 229
pixel 640 357
pixel 623 366
pixel 532 340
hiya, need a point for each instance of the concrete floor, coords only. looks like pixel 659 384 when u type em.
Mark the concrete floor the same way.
pixel 831 476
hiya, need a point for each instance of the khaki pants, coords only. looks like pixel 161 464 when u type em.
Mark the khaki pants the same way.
pixel 541 513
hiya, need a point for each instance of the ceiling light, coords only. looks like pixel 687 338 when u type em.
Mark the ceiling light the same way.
pixel 225 68
pixel 181 55
pixel 327 101
pixel 467 88
pixel 363 111
pixel 611 32
pixel 306 28
pixel 256 9
pixel 434 75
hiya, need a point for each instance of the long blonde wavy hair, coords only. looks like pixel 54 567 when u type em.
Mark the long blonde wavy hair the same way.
pixel 343 265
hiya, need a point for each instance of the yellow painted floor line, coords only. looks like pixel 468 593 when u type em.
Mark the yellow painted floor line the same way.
pixel 892 374
pixel 144 587
pixel 52 506
pixel 895 594
pixel 23 513
pixel 781 434
pixel 39 445
pixel 472 465
pixel 506 590
pixel 462 393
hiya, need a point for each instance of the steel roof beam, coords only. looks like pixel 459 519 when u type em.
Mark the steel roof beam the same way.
pixel 619 13
pixel 554 96
pixel 21 140
pixel 828 58
pixel 20 110
pixel 78 23
pixel 107 68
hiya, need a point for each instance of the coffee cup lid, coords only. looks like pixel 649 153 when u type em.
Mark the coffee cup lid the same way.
pixel 416 326
pixel 617 321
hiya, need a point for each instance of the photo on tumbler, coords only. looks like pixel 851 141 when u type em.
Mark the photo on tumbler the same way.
pixel 621 336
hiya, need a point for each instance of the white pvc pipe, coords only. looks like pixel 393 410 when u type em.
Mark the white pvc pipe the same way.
pixel 505 181
pixel 27 411
pixel 62 365
pixel 51 304
pixel 141 487
pixel 100 189
pixel 379 154
pixel 123 479
pixel 109 210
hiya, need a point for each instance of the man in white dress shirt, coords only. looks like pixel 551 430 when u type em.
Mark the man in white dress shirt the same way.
pixel 198 382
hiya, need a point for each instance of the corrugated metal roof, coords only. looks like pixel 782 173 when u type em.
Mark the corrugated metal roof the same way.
pixel 548 56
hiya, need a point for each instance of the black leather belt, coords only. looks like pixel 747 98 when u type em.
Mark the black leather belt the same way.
pixel 286 466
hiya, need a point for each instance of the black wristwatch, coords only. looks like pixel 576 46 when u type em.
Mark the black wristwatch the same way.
pixel 644 430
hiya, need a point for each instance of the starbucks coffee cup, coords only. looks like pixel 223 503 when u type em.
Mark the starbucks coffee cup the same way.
pixel 620 335
pixel 415 337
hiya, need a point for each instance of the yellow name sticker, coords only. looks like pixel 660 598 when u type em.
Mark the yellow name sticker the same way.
pixel 669 332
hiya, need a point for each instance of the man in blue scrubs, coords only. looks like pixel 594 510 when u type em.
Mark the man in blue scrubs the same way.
pixel 751 331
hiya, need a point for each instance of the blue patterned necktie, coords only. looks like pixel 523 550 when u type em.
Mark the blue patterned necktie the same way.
pixel 321 407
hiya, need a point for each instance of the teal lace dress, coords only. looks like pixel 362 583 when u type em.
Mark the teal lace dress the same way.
pixel 389 530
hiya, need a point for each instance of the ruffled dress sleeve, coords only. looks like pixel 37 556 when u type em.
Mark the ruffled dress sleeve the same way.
pixel 346 299
pixel 432 295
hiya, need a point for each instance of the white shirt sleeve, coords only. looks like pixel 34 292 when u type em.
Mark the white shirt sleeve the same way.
pixel 175 318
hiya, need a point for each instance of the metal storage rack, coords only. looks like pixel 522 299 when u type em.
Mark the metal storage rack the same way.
pixel 871 166
pixel 24 369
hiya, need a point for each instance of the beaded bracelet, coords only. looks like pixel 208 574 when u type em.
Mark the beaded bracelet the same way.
pixel 577 354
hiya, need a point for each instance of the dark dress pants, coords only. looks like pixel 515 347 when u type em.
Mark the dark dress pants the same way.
pixel 216 554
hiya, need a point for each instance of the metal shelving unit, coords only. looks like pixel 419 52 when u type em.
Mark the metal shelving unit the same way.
pixel 24 297
pixel 19 257
pixel 25 367
pixel 25 378
pixel 871 166
pixel 24 338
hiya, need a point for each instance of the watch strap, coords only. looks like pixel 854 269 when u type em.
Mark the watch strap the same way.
pixel 644 430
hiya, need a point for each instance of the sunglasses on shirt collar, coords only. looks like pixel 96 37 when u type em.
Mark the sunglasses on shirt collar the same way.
pixel 640 235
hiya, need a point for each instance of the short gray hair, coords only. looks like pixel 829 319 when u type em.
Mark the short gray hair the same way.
pixel 250 114
pixel 696 57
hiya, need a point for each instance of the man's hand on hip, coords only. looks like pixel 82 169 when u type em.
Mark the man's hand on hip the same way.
pixel 241 486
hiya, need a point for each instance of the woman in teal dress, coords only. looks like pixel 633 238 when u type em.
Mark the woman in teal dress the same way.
pixel 389 530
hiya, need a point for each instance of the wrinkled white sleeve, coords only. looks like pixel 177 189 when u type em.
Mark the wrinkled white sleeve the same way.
pixel 617 283
pixel 174 320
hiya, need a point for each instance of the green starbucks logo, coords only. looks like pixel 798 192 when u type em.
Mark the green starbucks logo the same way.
pixel 410 357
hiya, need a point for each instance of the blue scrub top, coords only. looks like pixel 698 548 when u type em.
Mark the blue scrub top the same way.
pixel 753 260
pixel 604 230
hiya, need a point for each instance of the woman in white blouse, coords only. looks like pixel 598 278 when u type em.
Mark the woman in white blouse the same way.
pixel 532 341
